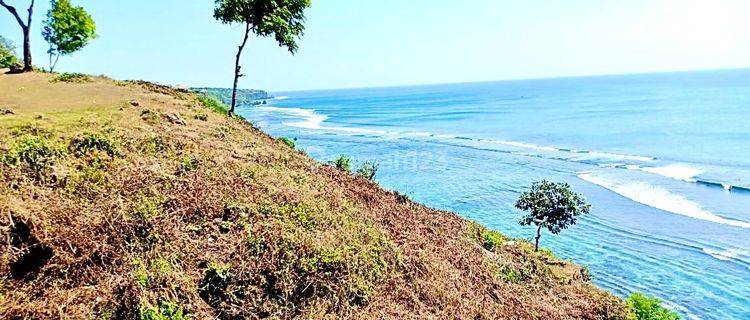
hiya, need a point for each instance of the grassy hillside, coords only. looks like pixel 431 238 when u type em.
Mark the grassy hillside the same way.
pixel 123 200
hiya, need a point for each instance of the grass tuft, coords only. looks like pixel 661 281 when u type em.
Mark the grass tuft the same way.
pixel 212 103
pixel 71 78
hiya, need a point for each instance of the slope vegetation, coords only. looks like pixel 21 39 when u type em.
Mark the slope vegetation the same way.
pixel 128 200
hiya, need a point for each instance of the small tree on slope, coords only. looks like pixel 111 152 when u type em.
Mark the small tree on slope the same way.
pixel 26 28
pixel 550 205
pixel 67 29
pixel 282 19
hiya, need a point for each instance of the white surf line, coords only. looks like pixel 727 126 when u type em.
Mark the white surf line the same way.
pixel 660 198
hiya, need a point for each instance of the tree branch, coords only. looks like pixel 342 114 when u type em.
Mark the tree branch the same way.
pixel 13 11
pixel 31 13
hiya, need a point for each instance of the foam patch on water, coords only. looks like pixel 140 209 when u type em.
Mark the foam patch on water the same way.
pixel 309 119
pixel 723 255
pixel 675 171
pixel 659 198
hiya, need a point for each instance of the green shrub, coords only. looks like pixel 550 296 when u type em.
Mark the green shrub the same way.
pixel 213 103
pixel 509 274
pixel 289 142
pixel 491 240
pixel 343 162
pixel 166 310
pixel 187 164
pixel 368 170
pixel 91 142
pixel 36 153
pixel 649 308
pixel 71 78
pixel 488 239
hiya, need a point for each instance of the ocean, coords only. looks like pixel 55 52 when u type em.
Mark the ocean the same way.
pixel 664 159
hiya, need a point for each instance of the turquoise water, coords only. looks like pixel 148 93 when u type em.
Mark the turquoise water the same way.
pixel 663 158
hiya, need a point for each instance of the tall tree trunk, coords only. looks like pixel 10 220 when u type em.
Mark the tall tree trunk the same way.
pixel 26 27
pixel 538 235
pixel 238 69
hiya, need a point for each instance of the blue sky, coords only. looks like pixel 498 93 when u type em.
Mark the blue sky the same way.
pixel 394 42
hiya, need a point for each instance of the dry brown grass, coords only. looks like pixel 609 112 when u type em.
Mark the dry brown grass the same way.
pixel 111 211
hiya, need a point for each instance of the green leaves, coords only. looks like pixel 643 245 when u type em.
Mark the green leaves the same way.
pixel 649 308
pixel 67 28
pixel 282 19
pixel 551 205
pixel 7 53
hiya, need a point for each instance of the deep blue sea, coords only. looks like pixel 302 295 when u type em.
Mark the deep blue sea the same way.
pixel 663 158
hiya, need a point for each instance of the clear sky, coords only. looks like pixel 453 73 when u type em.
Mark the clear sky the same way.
pixel 357 43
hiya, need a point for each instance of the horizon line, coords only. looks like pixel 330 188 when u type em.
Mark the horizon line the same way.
pixel 502 80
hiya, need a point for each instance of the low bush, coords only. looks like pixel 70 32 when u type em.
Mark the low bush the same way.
pixel 165 310
pixel 91 142
pixel 289 142
pixel 488 239
pixel 71 78
pixel 649 308
pixel 34 153
pixel 368 170
pixel 342 162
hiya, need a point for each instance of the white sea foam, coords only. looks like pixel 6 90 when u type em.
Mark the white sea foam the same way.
pixel 522 145
pixel 724 255
pixel 309 119
pixel 659 198
pixel 675 171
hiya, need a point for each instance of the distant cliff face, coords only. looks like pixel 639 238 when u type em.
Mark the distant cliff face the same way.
pixel 244 96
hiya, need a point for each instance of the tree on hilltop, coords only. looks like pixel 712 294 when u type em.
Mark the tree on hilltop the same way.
pixel 282 19
pixel 7 53
pixel 26 28
pixel 67 29
pixel 551 205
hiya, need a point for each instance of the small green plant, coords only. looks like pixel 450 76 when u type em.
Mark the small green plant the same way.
pixel 154 144
pixel 509 274
pixel 368 170
pixel 71 78
pixel 491 239
pixel 36 153
pixel 649 308
pixel 91 142
pixel 342 162
pixel 187 164
pixel 488 239
pixel 149 116
pixel 215 282
pixel 289 142
pixel 586 274
pixel 165 310
pixel 212 103
pixel 201 116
